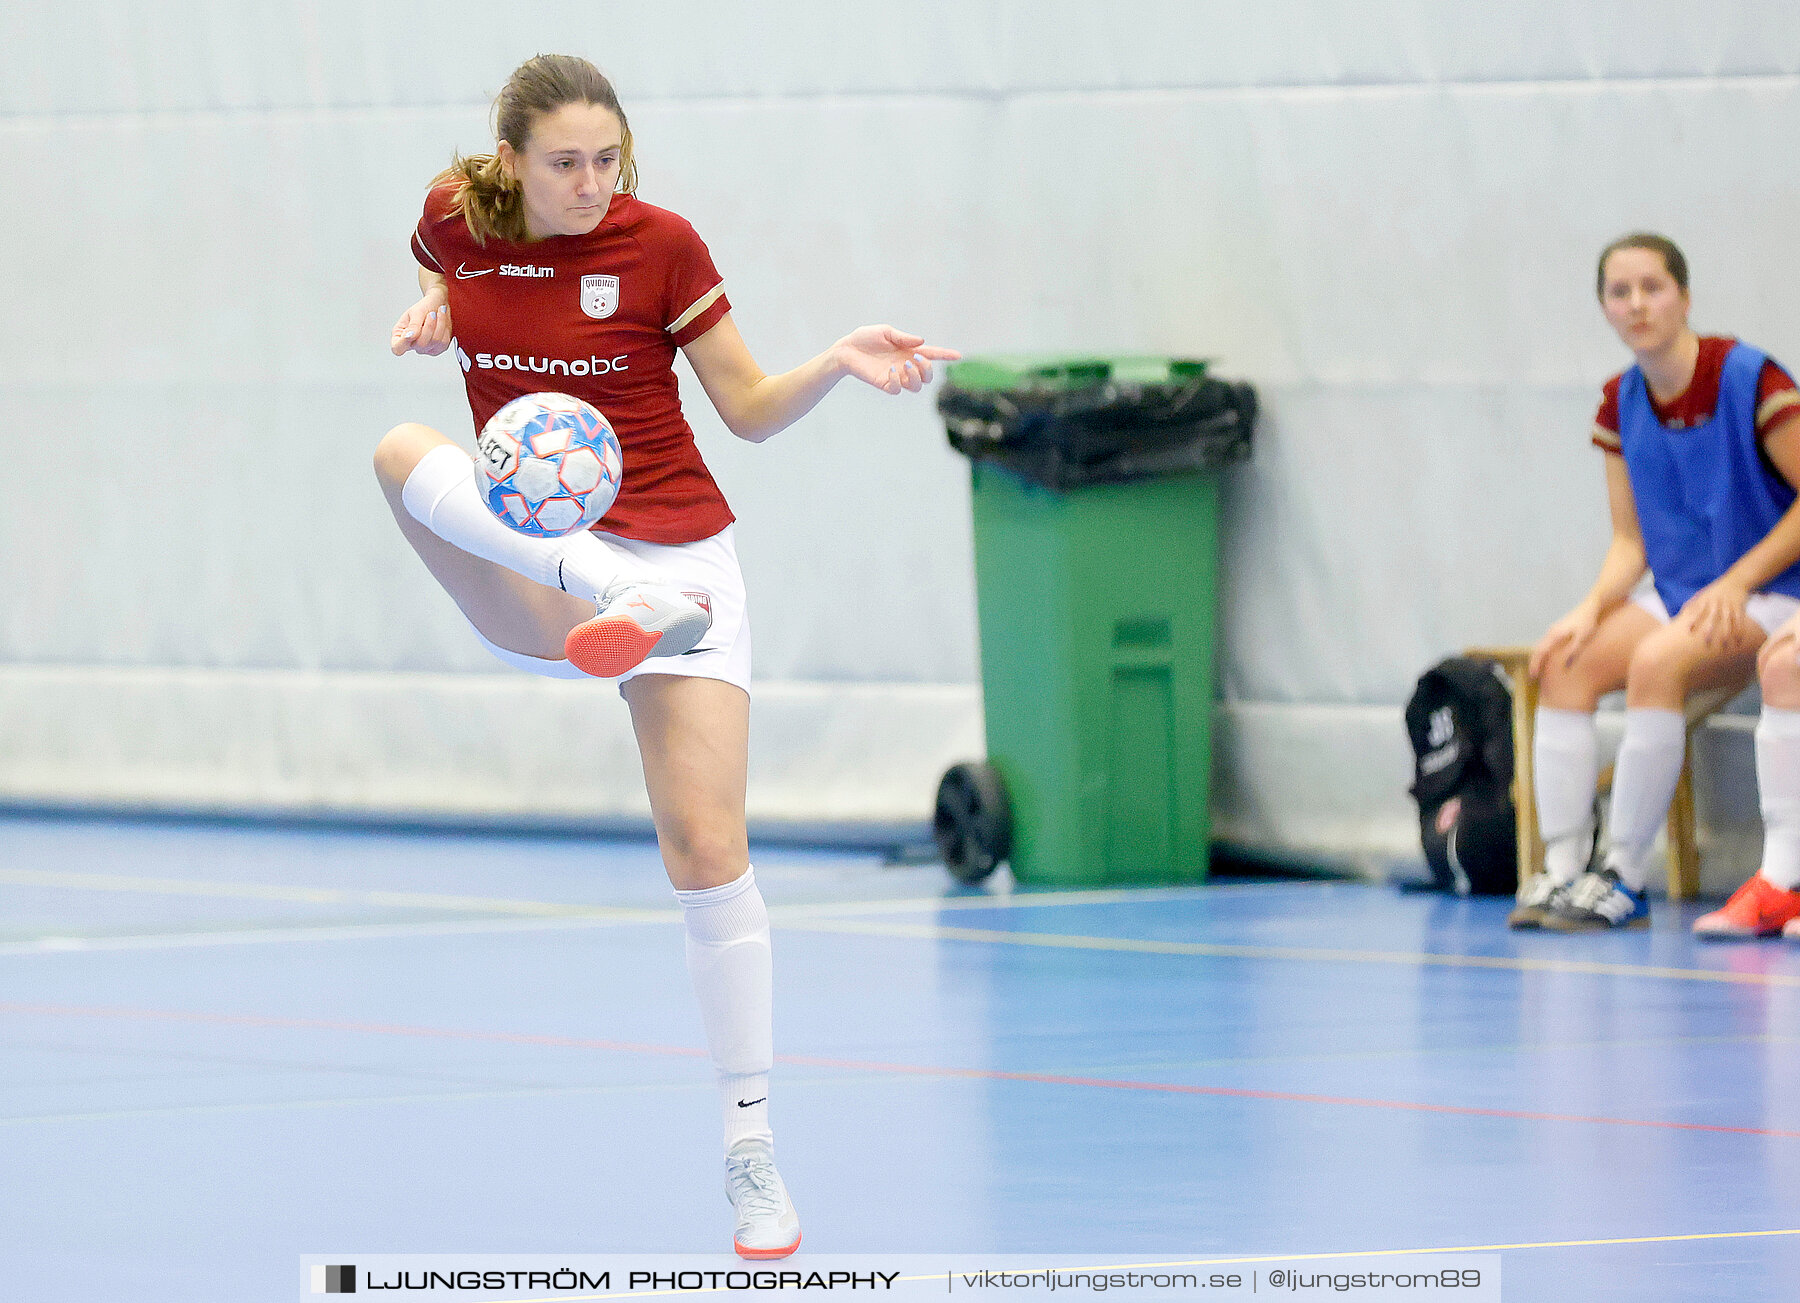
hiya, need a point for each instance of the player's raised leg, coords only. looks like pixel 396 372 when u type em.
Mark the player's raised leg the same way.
pixel 694 737
pixel 534 597
pixel 504 582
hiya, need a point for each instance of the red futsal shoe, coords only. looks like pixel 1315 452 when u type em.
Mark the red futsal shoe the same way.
pixel 1757 909
pixel 634 622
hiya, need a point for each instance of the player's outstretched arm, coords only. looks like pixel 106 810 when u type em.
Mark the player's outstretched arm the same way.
pixel 425 326
pixel 754 405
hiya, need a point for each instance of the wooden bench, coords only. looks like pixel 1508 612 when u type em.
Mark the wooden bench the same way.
pixel 1684 853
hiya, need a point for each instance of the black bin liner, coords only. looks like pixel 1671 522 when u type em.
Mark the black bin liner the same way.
pixel 1065 425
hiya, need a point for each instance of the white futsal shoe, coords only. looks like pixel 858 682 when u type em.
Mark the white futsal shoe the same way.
pixel 1542 898
pixel 767 1225
pixel 634 622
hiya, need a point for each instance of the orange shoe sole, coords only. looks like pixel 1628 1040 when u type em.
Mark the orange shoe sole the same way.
pixel 742 1252
pixel 608 646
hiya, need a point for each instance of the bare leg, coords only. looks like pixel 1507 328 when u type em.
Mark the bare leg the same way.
pixel 1672 664
pixel 694 737
pixel 1602 665
pixel 510 610
pixel 1780 679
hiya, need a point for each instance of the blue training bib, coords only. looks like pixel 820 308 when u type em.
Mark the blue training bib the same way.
pixel 1704 496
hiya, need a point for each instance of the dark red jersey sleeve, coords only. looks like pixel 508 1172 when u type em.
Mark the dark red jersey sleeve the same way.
pixel 1606 420
pixel 1777 400
pixel 694 292
pixel 424 241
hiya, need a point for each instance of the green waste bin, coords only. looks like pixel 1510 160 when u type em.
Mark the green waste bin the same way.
pixel 1096 513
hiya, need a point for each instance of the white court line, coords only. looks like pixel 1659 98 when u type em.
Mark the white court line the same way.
pixel 56 945
pixel 306 895
pixel 525 915
pixel 561 909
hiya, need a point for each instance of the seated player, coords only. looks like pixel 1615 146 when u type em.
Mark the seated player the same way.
pixel 1702 454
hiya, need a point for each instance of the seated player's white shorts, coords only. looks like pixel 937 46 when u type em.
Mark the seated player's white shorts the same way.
pixel 706 571
pixel 1769 610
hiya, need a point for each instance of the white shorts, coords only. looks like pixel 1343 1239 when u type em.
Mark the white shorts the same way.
pixel 1769 610
pixel 708 572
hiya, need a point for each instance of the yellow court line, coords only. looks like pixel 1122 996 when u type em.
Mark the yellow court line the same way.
pixel 813 918
pixel 1225 1262
pixel 1129 945
pixel 1021 900
pixel 1460 1248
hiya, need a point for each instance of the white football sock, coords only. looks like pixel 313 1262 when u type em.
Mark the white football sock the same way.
pixel 1565 767
pixel 441 495
pixel 1644 778
pixel 1778 779
pixel 728 958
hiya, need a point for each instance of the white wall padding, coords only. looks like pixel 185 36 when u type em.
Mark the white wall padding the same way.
pixel 1384 215
pixel 456 747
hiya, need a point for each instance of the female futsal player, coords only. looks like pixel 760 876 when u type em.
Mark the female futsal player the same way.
pixel 559 278
pixel 1702 456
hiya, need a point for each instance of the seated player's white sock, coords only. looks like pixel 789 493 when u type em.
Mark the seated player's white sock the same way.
pixel 1565 767
pixel 440 494
pixel 728 958
pixel 1778 780
pixel 1644 778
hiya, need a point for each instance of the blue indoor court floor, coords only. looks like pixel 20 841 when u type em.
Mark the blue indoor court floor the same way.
pixel 224 1046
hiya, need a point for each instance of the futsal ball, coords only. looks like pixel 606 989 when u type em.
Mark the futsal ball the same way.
pixel 548 465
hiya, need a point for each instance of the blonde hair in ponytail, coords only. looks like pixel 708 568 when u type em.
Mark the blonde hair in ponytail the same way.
pixel 491 203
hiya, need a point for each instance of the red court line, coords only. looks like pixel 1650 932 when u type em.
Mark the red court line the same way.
pixel 860 1065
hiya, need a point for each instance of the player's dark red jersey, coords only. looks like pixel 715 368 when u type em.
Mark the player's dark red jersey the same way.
pixel 598 316
pixel 1777 400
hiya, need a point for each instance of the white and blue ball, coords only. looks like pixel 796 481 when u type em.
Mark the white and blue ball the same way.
pixel 548 465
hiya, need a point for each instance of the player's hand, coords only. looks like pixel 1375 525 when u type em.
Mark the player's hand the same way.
pixel 1716 613
pixel 1785 641
pixel 889 359
pixel 1565 639
pixel 424 327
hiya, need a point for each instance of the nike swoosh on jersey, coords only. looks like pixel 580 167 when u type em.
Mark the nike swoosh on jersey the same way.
pixel 462 275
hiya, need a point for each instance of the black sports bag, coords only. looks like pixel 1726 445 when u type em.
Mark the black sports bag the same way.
pixel 1460 722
